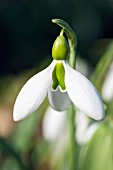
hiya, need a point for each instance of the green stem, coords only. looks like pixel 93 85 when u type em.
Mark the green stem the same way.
pixel 72 40
pixel 72 145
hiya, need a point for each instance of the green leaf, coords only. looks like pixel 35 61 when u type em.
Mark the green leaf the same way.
pixel 109 110
pixel 98 75
pixel 98 153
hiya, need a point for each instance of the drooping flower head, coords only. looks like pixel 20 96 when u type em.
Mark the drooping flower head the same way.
pixel 62 84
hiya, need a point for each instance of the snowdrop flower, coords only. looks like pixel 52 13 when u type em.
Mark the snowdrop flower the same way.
pixel 53 124
pixel 63 85
pixel 84 131
pixel 107 90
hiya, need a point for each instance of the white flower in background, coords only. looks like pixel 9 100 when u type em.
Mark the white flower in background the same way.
pixel 53 124
pixel 84 131
pixel 63 84
pixel 107 90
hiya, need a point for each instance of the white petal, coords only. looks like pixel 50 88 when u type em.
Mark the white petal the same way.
pixel 58 100
pixel 81 125
pixel 53 124
pixel 107 90
pixel 84 131
pixel 83 94
pixel 32 94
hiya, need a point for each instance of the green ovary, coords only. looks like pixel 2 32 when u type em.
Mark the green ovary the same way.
pixel 58 76
pixel 60 48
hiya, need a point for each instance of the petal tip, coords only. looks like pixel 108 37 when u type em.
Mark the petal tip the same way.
pixel 99 116
pixel 16 116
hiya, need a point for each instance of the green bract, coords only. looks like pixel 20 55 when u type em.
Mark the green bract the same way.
pixel 60 48
pixel 58 75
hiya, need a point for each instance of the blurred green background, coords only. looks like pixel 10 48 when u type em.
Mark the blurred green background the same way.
pixel 26 38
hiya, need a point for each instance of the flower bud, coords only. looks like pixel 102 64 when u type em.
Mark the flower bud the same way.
pixel 60 48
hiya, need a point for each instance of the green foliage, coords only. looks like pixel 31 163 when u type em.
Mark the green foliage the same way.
pixel 101 69
pixel 98 153
pixel 110 109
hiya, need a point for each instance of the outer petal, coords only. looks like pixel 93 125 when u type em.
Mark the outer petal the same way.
pixel 58 100
pixel 83 94
pixel 32 94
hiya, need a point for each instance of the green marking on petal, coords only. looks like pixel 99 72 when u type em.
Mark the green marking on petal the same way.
pixel 60 73
pixel 54 79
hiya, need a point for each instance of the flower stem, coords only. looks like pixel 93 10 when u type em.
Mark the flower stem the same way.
pixel 72 40
pixel 72 145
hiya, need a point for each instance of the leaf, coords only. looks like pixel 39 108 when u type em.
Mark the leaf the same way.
pixel 102 67
pixel 98 153
pixel 109 111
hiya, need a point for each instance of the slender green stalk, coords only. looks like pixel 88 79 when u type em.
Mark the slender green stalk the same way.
pixel 72 145
pixel 72 40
